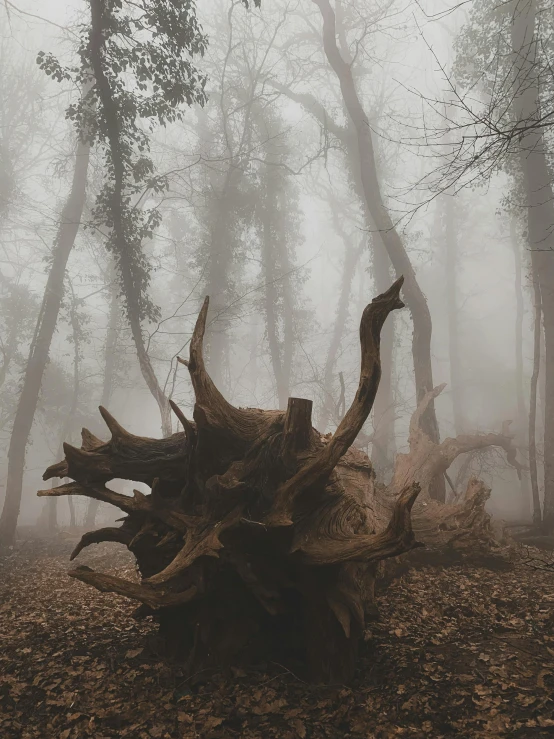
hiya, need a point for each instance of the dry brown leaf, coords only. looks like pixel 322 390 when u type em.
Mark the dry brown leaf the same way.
pixel 133 653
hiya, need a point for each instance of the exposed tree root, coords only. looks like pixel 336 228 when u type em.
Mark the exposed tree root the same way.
pixel 260 535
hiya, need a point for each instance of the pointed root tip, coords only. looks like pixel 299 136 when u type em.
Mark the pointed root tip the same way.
pixel 56 470
pixel 79 570
pixel 183 361
pixel 181 416
pixel 116 429
pixel 395 292
pixel 201 320
pixel 73 452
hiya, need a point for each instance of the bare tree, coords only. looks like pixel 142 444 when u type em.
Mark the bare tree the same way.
pixel 70 221
pixel 539 205
pixel 415 299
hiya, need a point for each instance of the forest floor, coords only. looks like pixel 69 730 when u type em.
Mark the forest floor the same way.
pixel 459 652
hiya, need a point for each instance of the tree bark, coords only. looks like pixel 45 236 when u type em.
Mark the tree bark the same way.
pixel 540 210
pixel 421 344
pixel 40 346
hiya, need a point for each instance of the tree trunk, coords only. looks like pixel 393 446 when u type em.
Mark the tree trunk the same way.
pixel 540 211
pixel 123 245
pixel 351 258
pixel 383 444
pixel 537 516
pixel 40 346
pixel 67 427
pixel 383 412
pixel 70 421
pixel 454 352
pixel 276 268
pixel 523 419
pixel 218 282
pixel 110 349
pixel 421 344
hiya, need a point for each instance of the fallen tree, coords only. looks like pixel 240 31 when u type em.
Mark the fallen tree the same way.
pixel 259 534
pixel 461 531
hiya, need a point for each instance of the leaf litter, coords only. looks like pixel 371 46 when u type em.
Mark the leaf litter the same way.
pixel 456 652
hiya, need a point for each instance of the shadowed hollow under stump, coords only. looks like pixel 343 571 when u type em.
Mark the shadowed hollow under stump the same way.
pixel 260 537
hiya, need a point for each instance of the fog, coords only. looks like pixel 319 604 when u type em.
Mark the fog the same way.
pixel 261 213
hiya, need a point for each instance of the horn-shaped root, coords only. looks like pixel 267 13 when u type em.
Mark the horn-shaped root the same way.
pixel 147 595
pixel 211 411
pixel 318 470
pixel 111 533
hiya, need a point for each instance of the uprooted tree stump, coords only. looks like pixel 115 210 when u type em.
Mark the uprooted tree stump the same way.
pixel 461 531
pixel 260 536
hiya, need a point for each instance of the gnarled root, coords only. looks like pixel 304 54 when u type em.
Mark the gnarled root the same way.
pixel 258 532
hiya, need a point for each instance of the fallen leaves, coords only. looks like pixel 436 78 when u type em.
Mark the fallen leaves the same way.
pixel 462 652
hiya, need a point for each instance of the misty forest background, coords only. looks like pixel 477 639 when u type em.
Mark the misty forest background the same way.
pixel 252 194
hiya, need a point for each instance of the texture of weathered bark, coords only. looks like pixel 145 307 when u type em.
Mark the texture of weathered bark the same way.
pixel 70 221
pixel 260 535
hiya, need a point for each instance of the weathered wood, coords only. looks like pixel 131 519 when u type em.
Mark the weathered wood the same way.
pixel 261 538
pixel 297 429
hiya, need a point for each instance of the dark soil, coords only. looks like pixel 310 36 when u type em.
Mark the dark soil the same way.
pixel 458 652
